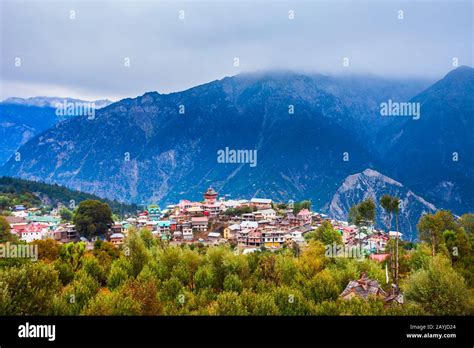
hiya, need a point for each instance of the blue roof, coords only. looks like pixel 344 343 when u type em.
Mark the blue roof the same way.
pixel 165 223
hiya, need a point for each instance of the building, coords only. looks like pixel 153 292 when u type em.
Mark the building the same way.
pixel 305 215
pixel 154 212
pixel 199 224
pixel 273 238
pixel 210 196
pixel 164 227
pixel 261 203
pixel 213 237
pixel 267 214
pixel 363 288
pixel 117 239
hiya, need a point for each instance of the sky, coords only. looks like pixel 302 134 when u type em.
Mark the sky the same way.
pixel 115 49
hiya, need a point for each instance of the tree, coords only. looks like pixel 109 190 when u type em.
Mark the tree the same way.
pixel 92 218
pixel 298 206
pixel 363 215
pixel 432 226
pixel 4 202
pixel 439 289
pixel 136 251
pixel 72 253
pixel 66 214
pixel 325 234
pixel 30 288
pixel 48 249
pixel 392 206
pixel 5 234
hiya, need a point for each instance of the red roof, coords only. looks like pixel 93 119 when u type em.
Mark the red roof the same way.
pixel 379 257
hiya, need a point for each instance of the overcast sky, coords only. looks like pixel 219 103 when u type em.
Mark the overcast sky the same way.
pixel 85 57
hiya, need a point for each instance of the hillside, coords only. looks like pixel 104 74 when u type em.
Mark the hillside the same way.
pixel 31 193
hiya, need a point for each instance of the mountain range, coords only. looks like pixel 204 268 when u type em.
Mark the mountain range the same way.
pixel 311 133
pixel 23 118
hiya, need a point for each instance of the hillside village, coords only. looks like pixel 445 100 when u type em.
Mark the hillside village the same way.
pixel 351 260
pixel 248 224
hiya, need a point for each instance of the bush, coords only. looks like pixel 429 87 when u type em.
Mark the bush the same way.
pixel 439 289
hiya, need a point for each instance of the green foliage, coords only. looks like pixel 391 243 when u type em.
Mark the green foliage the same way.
pixel 136 251
pixel 28 289
pixel 112 303
pixel 363 214
pixel 72 253
pixel 439 289
pixel 92 218
pixel 119 273
pixel 18 191
pixel 143 278
pixel 326 234
pixel 432 226
pixel 240 210
pixel 48 249
pixel 5 234
pixel 66 214
pixel 232 283
pixel 298 206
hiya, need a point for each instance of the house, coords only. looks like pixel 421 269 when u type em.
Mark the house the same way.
pixel 164 227
pixel 273 238
pixel 188 233
pixel 115 228
pixel 254 238
pixel 200 223
pixel 154 212
pixel 195 211
pixel 394 234
pixel 117 239
pixel 261 203
pixel 65 234
pixel 249 224
pixel 363 288
pixel 213 236
pixel 305 215
pixel 213 208
pixel 31 232
pixel 20 213
pixel 267 214
pixel 248 217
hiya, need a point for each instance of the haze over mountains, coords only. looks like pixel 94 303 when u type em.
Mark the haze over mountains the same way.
pixel 146 149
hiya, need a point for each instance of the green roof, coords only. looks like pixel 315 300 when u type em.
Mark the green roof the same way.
pixel 43 219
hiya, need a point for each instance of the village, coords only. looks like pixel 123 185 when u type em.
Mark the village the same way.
pixel 247 225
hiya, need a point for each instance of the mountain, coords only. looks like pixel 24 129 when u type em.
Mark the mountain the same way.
pixel 165 147
pixel 20 123
pixel 363 96
pixel 434 154
pixel 372 184
pixel 53 101
pixel 21 119
pixel 174 155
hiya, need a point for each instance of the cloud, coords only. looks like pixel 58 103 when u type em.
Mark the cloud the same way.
pixel 86 55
